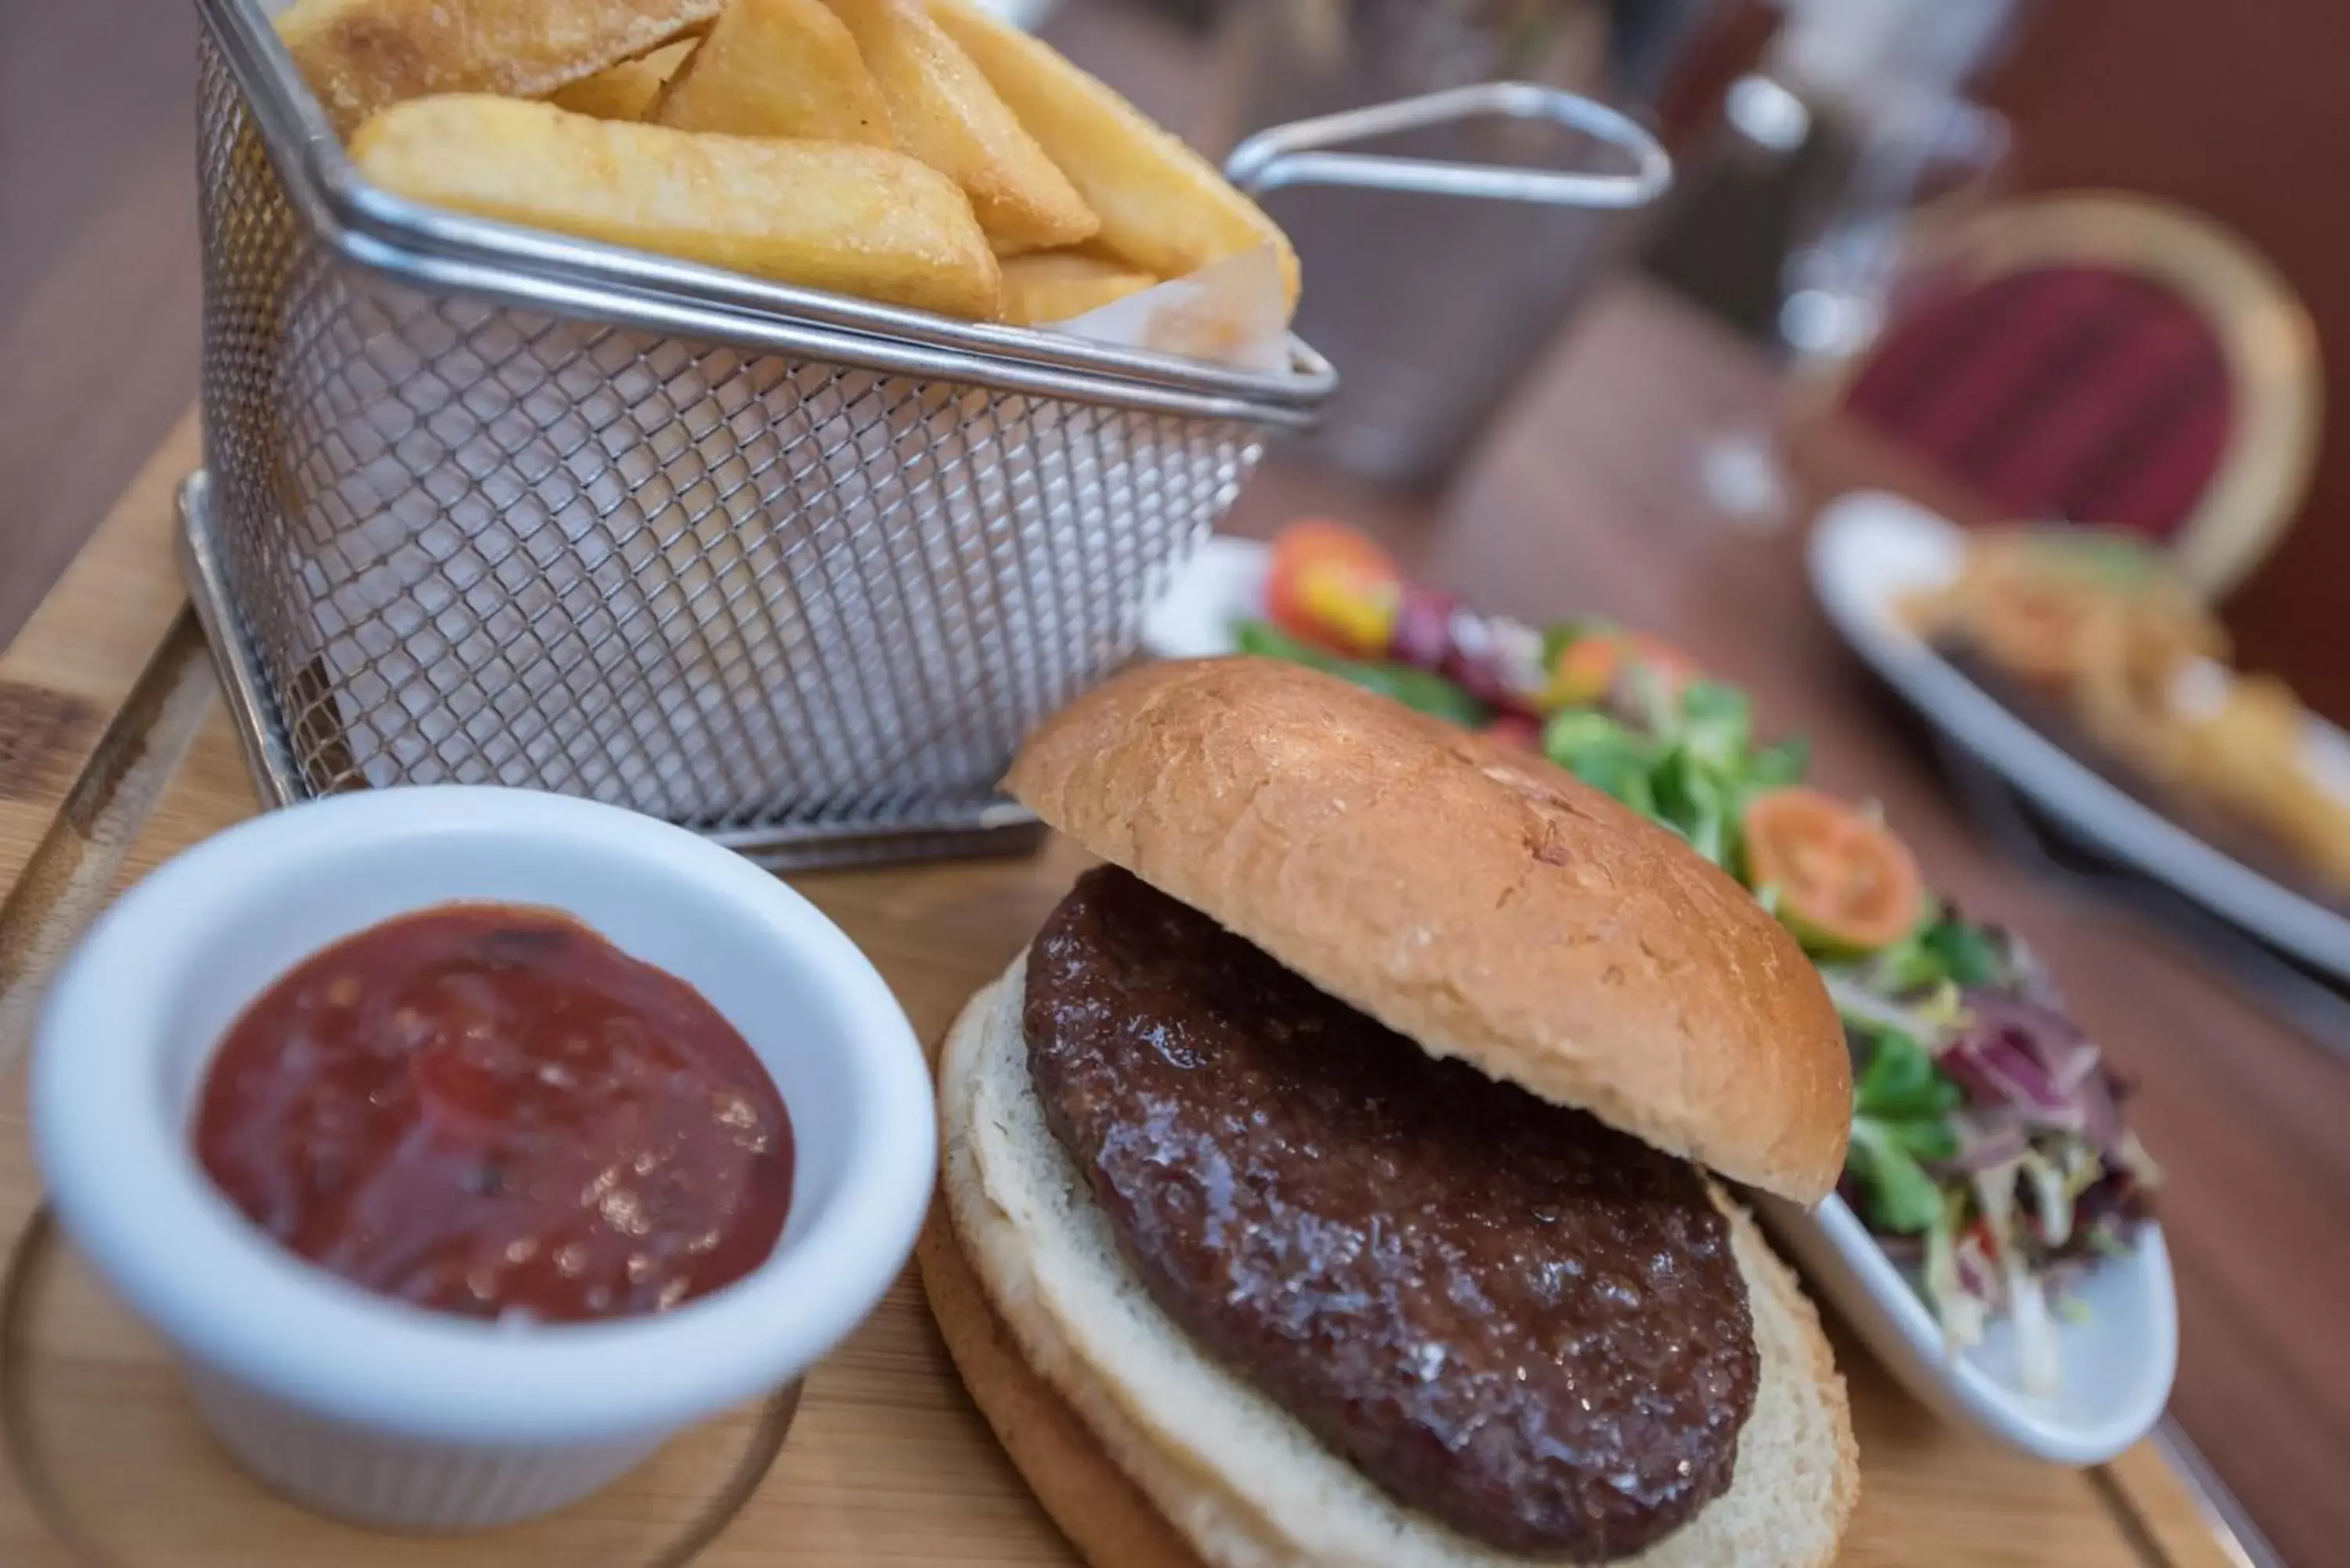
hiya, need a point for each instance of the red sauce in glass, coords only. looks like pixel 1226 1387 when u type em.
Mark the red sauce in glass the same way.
pixel 484 1109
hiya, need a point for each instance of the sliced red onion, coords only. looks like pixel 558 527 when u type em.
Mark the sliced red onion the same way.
pixel 1994 1070
pixel 2054 1040
pixel 1472 661
pixel 1422 636
pixel 1989 1136
pixel 2033 1058
pixel 1518 655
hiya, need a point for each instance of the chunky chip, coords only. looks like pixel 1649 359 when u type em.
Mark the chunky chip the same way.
pixel 777 68
pixel 1045 287
pixel 943 112
pixel 857 220
pixel 359 55
pixel 625 91
pixel 1162 206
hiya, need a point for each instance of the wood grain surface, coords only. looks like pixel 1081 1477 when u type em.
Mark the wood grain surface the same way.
pixel 99 285
pixel 1587 496
pixel 887 1462
pixel 99 698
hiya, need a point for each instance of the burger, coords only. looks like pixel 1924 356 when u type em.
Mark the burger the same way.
pixel 1338 1176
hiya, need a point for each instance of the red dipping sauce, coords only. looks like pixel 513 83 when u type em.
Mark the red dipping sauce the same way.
pixel 488 1110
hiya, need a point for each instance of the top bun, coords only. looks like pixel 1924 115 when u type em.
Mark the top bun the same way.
pixel 1469 894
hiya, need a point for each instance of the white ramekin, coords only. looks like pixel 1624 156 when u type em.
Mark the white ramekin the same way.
pixel 382 1413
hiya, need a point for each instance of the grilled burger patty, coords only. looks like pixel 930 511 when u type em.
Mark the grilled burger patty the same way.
pixel 1504 1313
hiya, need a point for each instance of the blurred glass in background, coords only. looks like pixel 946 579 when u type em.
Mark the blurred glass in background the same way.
pixel 1881 85
pixel 1853 128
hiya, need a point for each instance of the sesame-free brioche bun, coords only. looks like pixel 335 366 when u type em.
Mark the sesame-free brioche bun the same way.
pixel 1467 894
pixel 1150 1453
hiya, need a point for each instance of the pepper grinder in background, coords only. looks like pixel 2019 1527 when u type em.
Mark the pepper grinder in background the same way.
pixel 1431 312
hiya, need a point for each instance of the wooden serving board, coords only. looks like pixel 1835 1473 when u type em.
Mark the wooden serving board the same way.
pixel 115 752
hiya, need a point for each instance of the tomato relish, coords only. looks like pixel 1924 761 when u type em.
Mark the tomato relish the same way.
pixel 493 1111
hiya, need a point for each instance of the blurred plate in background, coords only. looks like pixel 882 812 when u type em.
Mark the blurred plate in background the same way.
pixel 1868 553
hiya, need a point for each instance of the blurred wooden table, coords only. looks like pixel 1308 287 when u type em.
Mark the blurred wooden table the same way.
pixel 99 277
pixel 1586 497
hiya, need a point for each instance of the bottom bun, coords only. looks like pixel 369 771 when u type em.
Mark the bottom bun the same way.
pixel 1148 1453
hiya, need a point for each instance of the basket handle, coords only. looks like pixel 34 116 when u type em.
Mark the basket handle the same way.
pixel 1292 154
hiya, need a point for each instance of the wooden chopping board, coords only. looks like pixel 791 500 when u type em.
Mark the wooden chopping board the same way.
pixel 115 752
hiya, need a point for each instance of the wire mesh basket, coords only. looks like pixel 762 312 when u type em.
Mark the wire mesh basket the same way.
pixel 488 505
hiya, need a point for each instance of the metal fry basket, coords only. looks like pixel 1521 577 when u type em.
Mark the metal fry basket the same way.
pixel 489 506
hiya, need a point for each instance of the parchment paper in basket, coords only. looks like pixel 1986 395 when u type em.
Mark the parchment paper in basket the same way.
pixel 1230 311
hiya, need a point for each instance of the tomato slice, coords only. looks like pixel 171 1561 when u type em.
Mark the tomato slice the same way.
pixel 1589 667
pixel 1844 883
pixel 1583 671
pixel 1334 587
pixel 1655 653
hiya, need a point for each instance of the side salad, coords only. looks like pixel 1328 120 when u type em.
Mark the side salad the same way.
pixel 1988 1154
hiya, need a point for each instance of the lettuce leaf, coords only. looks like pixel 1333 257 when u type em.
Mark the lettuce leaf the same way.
pixel 1417 689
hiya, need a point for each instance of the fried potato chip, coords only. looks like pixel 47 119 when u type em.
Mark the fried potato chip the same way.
pixel 944 113
pixel 826 214
pixel 1162 206
pixel 777 68
pixel 361 55
pixel 625 91
pixel 1045 287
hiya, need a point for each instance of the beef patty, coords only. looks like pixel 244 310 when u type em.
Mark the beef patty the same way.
pixel 1504 1313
